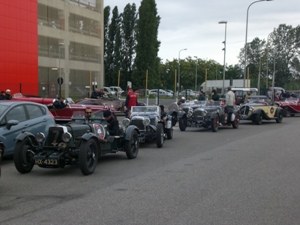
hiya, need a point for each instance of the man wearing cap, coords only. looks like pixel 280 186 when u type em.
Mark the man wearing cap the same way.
pixel 7 95
pixel 112 123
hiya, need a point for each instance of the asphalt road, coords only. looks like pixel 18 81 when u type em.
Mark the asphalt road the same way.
pixel 235 177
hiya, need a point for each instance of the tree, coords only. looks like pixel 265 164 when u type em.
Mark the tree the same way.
pixel 147 45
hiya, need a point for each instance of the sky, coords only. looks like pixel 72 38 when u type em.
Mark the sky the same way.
pixel 194 25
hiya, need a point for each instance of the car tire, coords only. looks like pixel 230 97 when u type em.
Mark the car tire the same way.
pixel 88 156
pixel 182 124
pixel 279 117
pixel 258 119
pixel 174 119
pixel 215 124
pixel 169 133
pixel 160 135
pixel 132 146
pixel 23 156
pixel 236 122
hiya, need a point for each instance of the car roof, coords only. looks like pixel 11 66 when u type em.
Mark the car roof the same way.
pixel 15 102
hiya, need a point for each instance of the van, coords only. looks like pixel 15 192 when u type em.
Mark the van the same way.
pixel 240 93
pixel 117 90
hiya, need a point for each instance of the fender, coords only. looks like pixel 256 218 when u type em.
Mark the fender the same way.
pixel 88 136
pixel 181 114
pixel 172 111
pixel 28 135
pixel 129 131
pixel 258 111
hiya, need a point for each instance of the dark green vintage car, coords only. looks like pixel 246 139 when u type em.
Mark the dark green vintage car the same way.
pixel 78 142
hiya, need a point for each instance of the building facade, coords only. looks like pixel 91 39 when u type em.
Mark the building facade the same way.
pixel 62 52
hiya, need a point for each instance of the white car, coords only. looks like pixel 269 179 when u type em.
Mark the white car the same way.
pixel 117 90
pixel 107 90
pixel 188 92
pixel 161 93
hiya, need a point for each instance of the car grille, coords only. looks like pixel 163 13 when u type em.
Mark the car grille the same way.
pixel 138 123
pixel 54 135
pixel 198 115
pixel 245 110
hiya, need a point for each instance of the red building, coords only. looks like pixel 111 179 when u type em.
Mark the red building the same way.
pixel 19 46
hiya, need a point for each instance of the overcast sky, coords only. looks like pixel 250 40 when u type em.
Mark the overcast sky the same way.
pixel 194 24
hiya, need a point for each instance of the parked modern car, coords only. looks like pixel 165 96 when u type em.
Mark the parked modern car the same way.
pixel 161 93
pixel 188 92
pixel 118 91
pixel 17 116
pixel 108 91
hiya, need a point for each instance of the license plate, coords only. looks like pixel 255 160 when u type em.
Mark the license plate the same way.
pixel 52 162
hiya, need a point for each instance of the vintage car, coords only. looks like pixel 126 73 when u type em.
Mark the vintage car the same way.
pixel 175 107
pixel 61 115
pixel 150 125
pixel 115 103
pixel 259 110
pixel 290 106
pixel 79 142
pixel 211 115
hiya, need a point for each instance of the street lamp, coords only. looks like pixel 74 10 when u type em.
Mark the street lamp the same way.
pixel 267 64
pixel 179 68
pixel 224 66
pixel 196 73
pixel 245 69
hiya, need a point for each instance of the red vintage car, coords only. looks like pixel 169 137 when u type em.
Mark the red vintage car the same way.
pixel 290 106
pixel 60 115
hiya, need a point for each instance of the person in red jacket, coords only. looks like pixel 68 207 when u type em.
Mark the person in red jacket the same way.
pixel 131 100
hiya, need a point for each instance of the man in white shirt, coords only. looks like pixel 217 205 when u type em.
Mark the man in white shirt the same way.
pixel 230 100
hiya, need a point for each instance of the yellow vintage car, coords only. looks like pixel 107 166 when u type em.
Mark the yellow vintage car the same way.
pixel 257 111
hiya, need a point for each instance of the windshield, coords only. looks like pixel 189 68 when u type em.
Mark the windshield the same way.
pixel 2 108
pixel 144 109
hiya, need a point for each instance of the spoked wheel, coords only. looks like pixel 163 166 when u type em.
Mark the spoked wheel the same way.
pixel 182 123
pixel 132 146
pixel 236 122
pixel 88 157
pixel 169 133
pixel 174 119
pixel 215 124
pixel 23 156
pixel 258 119
pixel 160 135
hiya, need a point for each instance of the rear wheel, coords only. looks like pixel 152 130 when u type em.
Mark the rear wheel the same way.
pixel 215 124
pixel 279 118
pixel 132 146
pixel 23 156
pixel 285 111
pixel 174 119
pixel 258 119
pixel 88 156
pixel 159 135
pixel 182 123
pixel 169 133
pixel 236 122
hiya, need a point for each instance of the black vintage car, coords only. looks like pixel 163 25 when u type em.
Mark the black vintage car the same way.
pixel 78 142
pixel 150 125
pixel 211 115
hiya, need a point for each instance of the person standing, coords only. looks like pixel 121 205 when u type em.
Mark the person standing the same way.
pixel 214 95
pixel 7 95
pixel 2 96
pixel 230 100
pixel 201 96
pixel 131 100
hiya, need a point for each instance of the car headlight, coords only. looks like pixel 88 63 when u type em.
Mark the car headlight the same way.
pixel 251 109
pixel 126 122
pixel 146 122
pixel 40 137
pixel 66 137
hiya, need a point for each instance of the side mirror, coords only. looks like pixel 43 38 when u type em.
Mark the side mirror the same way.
pixel 11 123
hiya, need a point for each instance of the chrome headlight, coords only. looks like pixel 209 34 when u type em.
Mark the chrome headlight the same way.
pixel 66 137
pixel 251 108
pixel 40 137
pixel 126 122
pixel 146 122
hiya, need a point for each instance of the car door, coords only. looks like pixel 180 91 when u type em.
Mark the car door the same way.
pixel 8 135
pixel 38 118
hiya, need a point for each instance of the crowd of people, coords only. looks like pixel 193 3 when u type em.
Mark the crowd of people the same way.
pixel 5 95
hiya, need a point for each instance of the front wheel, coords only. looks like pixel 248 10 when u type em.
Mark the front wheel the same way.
pixel 258 119
pixel 88 156
pixel 160 135
pixel 132 146
pixel 169 133
pixel 182 123
pixel 174 119
pixel 215 124
pixel 23 156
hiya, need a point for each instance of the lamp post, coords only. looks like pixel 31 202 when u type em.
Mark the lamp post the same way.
pixel 224 64
pixel 267 64
pixel 196 72
pixel 245 69
pixel 179 68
